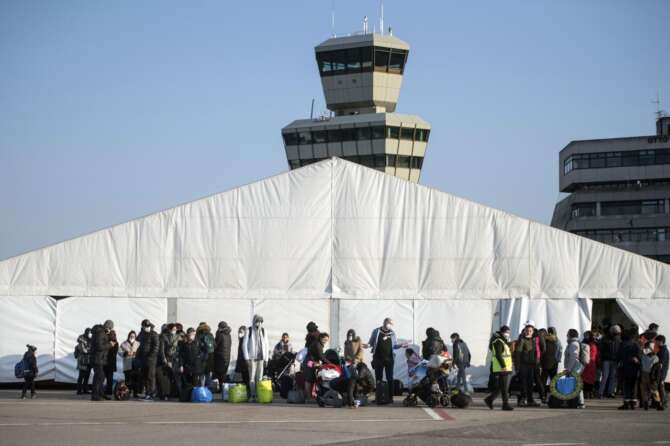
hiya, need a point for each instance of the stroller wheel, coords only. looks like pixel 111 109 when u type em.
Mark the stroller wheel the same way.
pixel 432 402
pixel 444 401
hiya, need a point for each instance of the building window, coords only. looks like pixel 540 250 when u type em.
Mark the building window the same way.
pixel 625 235
pixel 347 134
pixel 645 207
pixel 304 137
pixel 334 135
pixel 393 132
pixel 294 164
pixel 397 61
pixel 583 209
pixel 407 133
pixel 353 60
pixel 320 136
pixel 390 160
pixel 363 133
pixel 417 162
pixel 422 135
pixel 380 160
pixel 381 59
pixel 378 132
pixel 290 139
pixel 616 159
pixel 402 161
pixel 367 160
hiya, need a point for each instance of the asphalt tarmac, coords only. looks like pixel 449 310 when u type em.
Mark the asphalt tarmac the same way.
pixel 57 417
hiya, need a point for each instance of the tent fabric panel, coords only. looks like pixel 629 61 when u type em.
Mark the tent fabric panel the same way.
pixel 471 319
pixel 364 316
pixel 27 320
pixel 75 314
pixel 556 275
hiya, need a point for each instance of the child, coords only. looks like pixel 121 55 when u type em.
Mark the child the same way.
pixel 30 371
pixel 650 368
pixel 412 359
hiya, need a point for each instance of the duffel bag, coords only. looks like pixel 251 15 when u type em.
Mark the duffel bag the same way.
pixel 296 397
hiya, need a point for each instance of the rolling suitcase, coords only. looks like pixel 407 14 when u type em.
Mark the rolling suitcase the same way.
pixel 285 386
pixel 382 393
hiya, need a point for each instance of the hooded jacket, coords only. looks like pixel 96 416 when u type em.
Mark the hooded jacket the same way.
pixel 571 361
pixel 433 344
pixel 252 340
pixel 629 357
pixel 609 347
pixel 99 345
pixel 222 346
pixel 353 350
pixel 149 346
pixel 553 352
pixel 190 357
pixel 83 352
pixel 529 350
pixel 461 353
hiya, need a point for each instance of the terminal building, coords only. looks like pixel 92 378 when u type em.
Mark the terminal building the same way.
pixel 619 191
pixel 361 76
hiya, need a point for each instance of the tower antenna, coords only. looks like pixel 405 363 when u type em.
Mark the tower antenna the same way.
pixel 381 17
pixel 659 112
pixel 332 19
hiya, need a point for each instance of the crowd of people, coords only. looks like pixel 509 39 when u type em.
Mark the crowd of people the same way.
pixel 608 361
pixel 166 363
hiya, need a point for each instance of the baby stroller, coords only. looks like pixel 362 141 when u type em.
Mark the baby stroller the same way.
pixel 327 373
pixel 431 393
pixel 279 368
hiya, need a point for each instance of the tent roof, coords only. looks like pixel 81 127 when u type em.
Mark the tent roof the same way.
pixel 334 228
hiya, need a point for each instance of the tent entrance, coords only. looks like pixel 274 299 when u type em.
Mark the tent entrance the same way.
pixel 607 312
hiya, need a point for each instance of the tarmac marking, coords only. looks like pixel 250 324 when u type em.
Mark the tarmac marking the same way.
pixel 228 422
pixel 553 444
pixel 438 414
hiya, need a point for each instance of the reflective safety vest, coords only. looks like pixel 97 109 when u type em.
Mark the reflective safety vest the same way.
pixel 506 366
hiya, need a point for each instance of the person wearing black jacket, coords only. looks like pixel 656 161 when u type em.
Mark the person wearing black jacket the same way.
pixel 529 349
pixel 663 359
pixel 100 346
pixel 147 356
pixel 629 358
pixel 222 346
pixel 609 361
pixel 29 372
pixel 110 366
pixel 190 358
pixel 241 365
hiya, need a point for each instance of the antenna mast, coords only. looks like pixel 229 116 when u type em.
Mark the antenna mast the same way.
pixel 332 19
pixel 659 112
pixel 381 17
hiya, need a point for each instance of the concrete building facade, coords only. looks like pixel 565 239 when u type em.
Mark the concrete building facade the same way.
pixel 619 191
pixel 361 76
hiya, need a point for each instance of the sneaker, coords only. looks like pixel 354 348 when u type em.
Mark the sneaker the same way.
pixel 507 407
pixel 660 407
pixel 33 396
pixel 488 402
pixel 148 398
pixel 581 406
pixel 23 397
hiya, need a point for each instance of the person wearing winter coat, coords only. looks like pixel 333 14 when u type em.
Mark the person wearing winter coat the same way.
pixel 205 338
pixel 590 369
pixel 501 367
pixel 529 349
pixel 609 348
pixel 650 368
pixel 101 343
pixel 29 372
pixel 353 348
pixel 461 355
pixel 551 356
pixel 110 365
pixel 283 346
pixel 629 358
pixel 191 360
pixel 572 361
pixel 241 365
pixel 128 352
pixel 82 352
pixel 147 357
pixel 312 334
pixel 383 342
pixel 222 346
pixel 649 336
pixel 664 360
pixel 256 352
pixel 168 354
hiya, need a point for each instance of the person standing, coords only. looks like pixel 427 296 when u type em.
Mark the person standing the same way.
pixel 222 346
pixel 190 358
pixel 256 352
pixel 147 356
pixel 501 367
pixel 609 349
pixel 650 368
pixel 82 352
pixel 573 362
pixel 128 352
pixel 551 357
pixel 529 352
pixel 205 339
pixel 101 344
pixel 167 356
pixel 664 359
pixel 110 365
pixel 241 365
pixel 383 342
pixel 29 371
pixel 461 355
pixel 589 374
pixel 629 358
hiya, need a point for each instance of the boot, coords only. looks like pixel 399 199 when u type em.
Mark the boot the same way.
pixel 624 406
pixel 506 406
pixel 645 405
pixel 488 402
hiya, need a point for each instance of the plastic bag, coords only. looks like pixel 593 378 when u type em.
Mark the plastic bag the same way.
pixel 264 391
pixel 238 394
pixel 201 395
pixel 566 385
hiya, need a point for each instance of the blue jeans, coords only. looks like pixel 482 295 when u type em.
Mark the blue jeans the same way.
pixel 460 378
pixel 609 378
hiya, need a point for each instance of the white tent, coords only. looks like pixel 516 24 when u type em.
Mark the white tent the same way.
pixel 332 242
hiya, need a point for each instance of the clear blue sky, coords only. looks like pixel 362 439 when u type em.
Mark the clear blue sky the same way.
pixel 113 110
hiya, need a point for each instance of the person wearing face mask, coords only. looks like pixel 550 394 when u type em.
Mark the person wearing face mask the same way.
pixel 147 356
pixel 629 358
pixel 256 352
pixel 101 344
pixel 241 365
pixel 501 367
pixel 190 358
pixel 529 349
pixel 383 342
pixel 663 359
pixel 110 366
pixel 167 355
pixel 128 352
pixel 222 345
pixel 82 352
pixel 650 368
pixel 590 370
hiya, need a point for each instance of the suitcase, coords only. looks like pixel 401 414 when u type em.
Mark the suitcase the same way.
pixel 382 393
pixel 397 387
pixel 296 397
pixel 285 386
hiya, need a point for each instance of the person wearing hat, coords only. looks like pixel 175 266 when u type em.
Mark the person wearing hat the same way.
pixel 100 345
pixel 190 359
pixel 529 350
pixel 501 367
pixel 30 371
pixel 609 348
pixel 222 346
pixel 147 356
pixel 256 352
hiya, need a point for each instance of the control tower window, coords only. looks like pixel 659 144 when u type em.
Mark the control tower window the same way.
pixel 334 136
pixel 353 57
pixel 381 59
pixel 397 61
pixel 325 66
pixel 304 137
pixel 407 133
pixel 363 133
pixel 378 132
pixel 290 139
pixel 339 61
pixel 348 134
pixel 320 136
pixel 392 132
pixel 366 58
pixel 422 135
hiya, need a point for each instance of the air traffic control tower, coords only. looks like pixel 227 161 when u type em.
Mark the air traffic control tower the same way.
pixel 361 77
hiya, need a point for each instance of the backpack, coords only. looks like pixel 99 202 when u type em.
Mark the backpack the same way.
pixel 584 354
pixel 207 343
pixel 21 369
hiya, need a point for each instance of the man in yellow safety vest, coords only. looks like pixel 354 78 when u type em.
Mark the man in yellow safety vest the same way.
pixel 501 367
